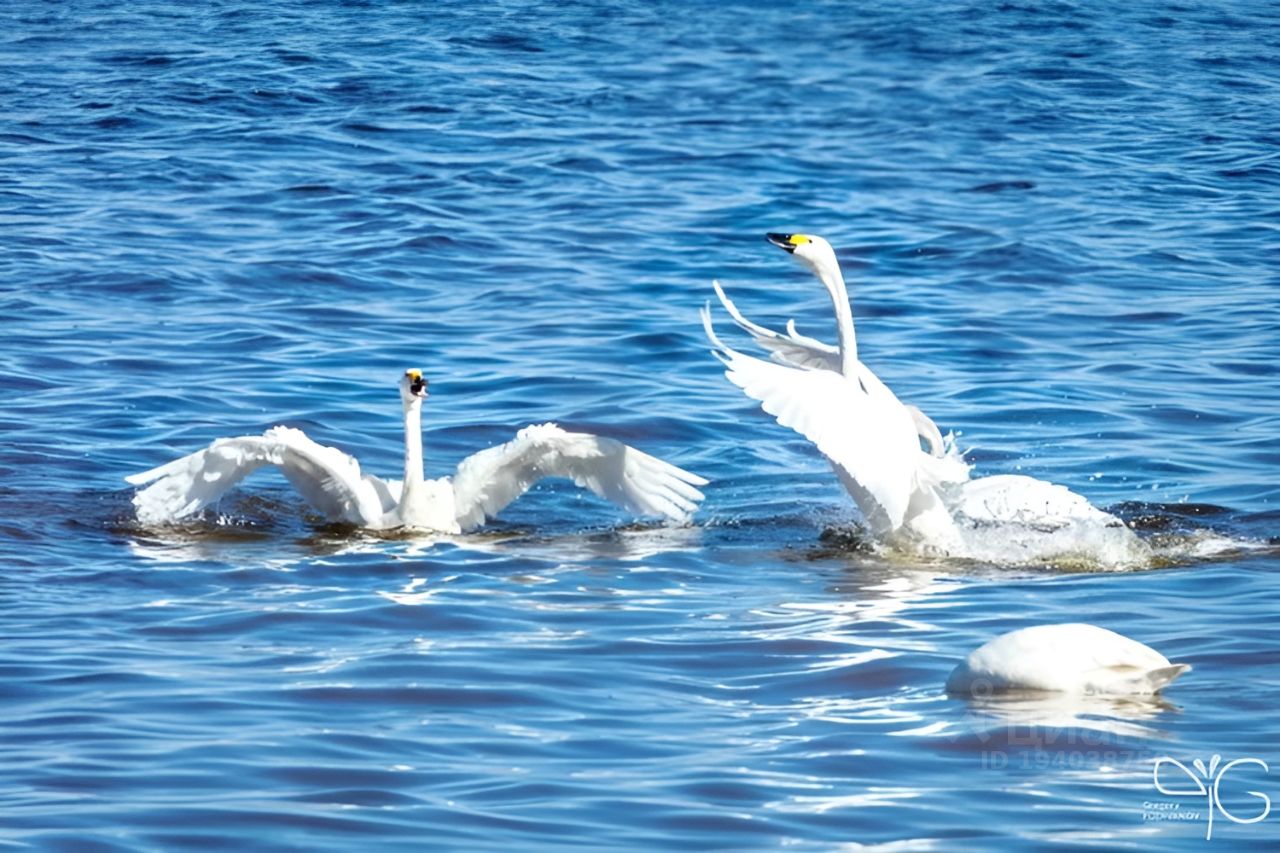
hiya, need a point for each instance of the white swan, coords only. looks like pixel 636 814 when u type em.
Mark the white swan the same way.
pixel 800 350
pixel 872 439
pixel 483 484
pixel 1069 658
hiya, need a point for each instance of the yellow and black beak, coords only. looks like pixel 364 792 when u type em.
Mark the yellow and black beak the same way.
pixel 417 385
pixel 787 242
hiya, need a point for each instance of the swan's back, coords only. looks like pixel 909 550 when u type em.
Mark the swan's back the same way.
pixel 1073 658
pixel 1018 499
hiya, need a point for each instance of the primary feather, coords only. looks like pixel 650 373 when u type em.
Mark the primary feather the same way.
pixel 487 481
pixel 329 479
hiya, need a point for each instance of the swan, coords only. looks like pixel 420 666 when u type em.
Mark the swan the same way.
pixel 800 350
pixel 873 440
pixel 482 485
pixel 1068 658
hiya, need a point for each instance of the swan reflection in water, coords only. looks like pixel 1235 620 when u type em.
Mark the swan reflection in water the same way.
pixel 1030 718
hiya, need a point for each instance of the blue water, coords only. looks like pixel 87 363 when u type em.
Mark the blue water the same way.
pixel 1060 223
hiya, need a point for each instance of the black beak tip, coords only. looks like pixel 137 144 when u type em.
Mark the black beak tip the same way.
pixel 782 241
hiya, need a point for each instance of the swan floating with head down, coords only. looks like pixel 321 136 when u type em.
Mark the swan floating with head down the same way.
pixel 922 495
pixel 482 485
pixel 1069 658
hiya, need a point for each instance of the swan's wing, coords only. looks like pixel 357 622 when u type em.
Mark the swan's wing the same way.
pixel 489 480
pixel 793 348
pixel 800 350
pixel 388 490
pixel 855 422
pixel 329 479
pixel 928 431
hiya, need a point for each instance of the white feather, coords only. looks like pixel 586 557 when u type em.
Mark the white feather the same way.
pixel 645 485
pixel 856 422
pixel 1015 498
pixel 873 441
pixel 331 481
pixel 793 348
pixel 1069 658
pixel 797 350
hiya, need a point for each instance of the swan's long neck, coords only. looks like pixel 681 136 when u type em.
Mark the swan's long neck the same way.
pixel 413 479
pixel 832 278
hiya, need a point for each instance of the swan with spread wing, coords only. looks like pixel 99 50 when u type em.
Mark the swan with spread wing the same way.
pixel 890 457
pixel 483 484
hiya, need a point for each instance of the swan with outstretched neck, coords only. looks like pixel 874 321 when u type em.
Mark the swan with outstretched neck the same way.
pixel 873 440
pixel 802 351
pixel 483 484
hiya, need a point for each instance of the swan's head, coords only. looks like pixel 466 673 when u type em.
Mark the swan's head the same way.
pixel 814 252
pixel 413 387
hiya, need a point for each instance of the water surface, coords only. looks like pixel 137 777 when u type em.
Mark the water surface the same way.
pixel 1059 224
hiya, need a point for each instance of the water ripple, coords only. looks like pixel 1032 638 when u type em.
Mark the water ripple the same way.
pixel 1059 232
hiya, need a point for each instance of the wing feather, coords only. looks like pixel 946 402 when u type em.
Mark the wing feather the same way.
pixel 488 481
pixel 800 350
pixel 329 479
pixel 1015 498
pixel 793 348
pixel 856 422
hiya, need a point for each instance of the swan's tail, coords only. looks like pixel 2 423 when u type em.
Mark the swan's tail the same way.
pixel 1160 678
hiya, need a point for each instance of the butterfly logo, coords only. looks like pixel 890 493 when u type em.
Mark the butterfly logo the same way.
pixel 1209 784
